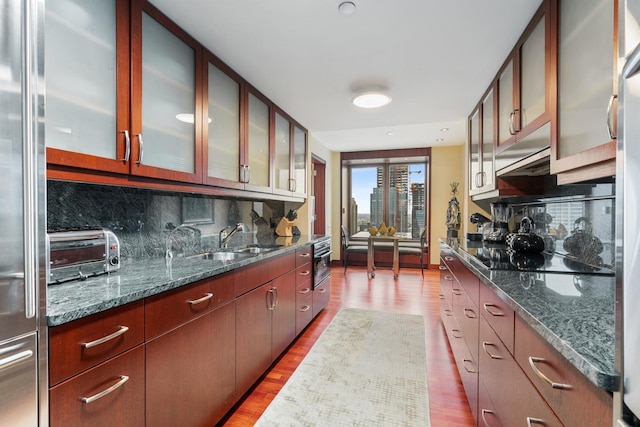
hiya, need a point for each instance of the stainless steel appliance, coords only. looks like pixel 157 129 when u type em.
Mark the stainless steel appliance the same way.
pixel 627 400
pixel 497 232
pixel 81 253
pixel 23 332
pixel 321 261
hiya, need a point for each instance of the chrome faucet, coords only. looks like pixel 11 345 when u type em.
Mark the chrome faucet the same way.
pixel 225 237
pixel 169 241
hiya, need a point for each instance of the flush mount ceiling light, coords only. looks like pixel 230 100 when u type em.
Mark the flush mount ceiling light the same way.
pixel 347 7
pixel 371 99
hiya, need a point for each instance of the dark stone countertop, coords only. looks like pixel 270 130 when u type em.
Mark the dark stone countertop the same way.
pixel 137 279
pixel 574 313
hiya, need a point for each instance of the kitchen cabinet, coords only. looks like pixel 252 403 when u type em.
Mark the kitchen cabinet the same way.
pixel 482 130
pixel 290 151
pixel 585 146
pixel 88 81
pixel 304 285
pixel 283 313
pixel 321 296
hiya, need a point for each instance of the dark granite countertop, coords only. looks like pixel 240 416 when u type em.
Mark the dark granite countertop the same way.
pixel 137 279
pixel 574 313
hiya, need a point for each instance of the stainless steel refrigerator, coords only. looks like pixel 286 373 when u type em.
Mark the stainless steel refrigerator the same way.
pixel 23 333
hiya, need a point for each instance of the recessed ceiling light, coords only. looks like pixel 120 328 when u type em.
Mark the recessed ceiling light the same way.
pixel 444 129
pixel 371 100
pixel 389 133
pixel 347 7
pixel 439 139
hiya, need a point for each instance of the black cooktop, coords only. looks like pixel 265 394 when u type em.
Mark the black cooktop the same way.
pixel 500 257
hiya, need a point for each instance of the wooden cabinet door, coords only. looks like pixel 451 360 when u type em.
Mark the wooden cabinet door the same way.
pixel 253 336
pixel 87 63
pixel 190 375
pixel 110 394
pixel 283 322
pixel 166 98
pixel 587 89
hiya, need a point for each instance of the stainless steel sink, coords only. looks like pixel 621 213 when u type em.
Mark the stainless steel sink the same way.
pixel 221 256
pixel 255 249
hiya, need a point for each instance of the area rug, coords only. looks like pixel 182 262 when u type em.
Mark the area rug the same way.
pixel 366 369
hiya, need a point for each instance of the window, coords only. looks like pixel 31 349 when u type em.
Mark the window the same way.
pixel 390 190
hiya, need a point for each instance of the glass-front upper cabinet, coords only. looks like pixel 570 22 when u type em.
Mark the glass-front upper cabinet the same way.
pixel 475 171
pixel 221 127
pixel 87 91
pixel 165 120
pixel 282 153
pixel 488 180
pixel 299 160
pixel 587 89
pixel 257 155
pixel 526 83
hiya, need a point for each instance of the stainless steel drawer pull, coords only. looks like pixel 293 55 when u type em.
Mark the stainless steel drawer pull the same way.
pixel 467 311
pixel 304 308
pixel 305 273
pixel 473 370
pixel 531 421
pixel 453 332
pixel 532 362
pixel 116 334
pixel 15 359
pixel 440 296
pixel 448 258
pixel 448 277
pixel 493 313
pixel 304 291
pixel 484 416
pixel 448 312
pixel 456 291
pixel 206 297
pixel 442 267
pixel 321 290
pixel 103 393
pixel 305 255
pixel 486 344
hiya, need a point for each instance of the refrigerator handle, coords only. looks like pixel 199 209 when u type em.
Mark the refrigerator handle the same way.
pixel 30 170
pixel 632 65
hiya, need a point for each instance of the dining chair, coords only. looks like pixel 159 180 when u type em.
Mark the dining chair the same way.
pixel 349 246
pixel 417 248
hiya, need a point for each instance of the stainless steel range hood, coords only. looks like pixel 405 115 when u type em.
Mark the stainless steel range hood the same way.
pixel 528 157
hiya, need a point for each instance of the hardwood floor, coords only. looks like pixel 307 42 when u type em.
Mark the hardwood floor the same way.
pixel 410 293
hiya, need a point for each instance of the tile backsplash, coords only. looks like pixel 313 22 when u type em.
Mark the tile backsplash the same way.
pixel 142 218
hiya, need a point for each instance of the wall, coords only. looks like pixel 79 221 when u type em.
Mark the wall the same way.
pixel 447 165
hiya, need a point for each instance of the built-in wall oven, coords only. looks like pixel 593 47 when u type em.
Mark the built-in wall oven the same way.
pixel 321 260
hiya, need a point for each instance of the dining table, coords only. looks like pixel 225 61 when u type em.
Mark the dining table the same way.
pixel 372 240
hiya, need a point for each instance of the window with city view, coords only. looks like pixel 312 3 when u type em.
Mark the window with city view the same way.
pixel 393 193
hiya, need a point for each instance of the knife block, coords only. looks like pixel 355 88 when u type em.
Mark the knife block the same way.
pixel 284 228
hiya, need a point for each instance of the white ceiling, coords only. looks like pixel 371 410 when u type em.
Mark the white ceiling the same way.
pixel 435 58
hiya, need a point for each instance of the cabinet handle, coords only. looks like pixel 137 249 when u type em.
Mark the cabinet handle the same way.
pixel 109 337
pixel 103 393
pixel 464 364
pixel 206 297
pixel 442 267
pixel 483 180
pixel 141 146
pixel 512 126
pixel 305 273
pixel 484 418
pixel 15 359
pixel 612 133
pixel 456 291
pixel 532 362
pixel 304 308
pixel 269 295
pixel 248 174
pixel 486 344
pixel 448 258
pixel 448 312
pixel 321 290
pixel 531 421
pixel 493 313
pixel 127 146
pixel 453 331
pixel 305 255
pixel 304 291
pixel 466 312
pixel 448 277
pixel 275 295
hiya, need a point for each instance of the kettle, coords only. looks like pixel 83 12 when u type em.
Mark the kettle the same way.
pixel 525 240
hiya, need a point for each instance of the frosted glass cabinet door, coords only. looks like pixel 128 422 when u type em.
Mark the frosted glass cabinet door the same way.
pixel 300 160
pixel 488 139
pixel 474 146
pixel 258 142
pixel 532 84
pixel 168 99
pixel 80 62
pixel 505 104
pixel 223 125
pixel 282 154
pixel 585 85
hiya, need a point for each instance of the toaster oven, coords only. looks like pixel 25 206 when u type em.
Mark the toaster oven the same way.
pixel 76 254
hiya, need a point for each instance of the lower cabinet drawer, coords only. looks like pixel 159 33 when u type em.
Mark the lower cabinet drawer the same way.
pixel 498 314
pixel 110 394
pixel 304 313
pixel 576 400
pixel 321 295
pixel 515 399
